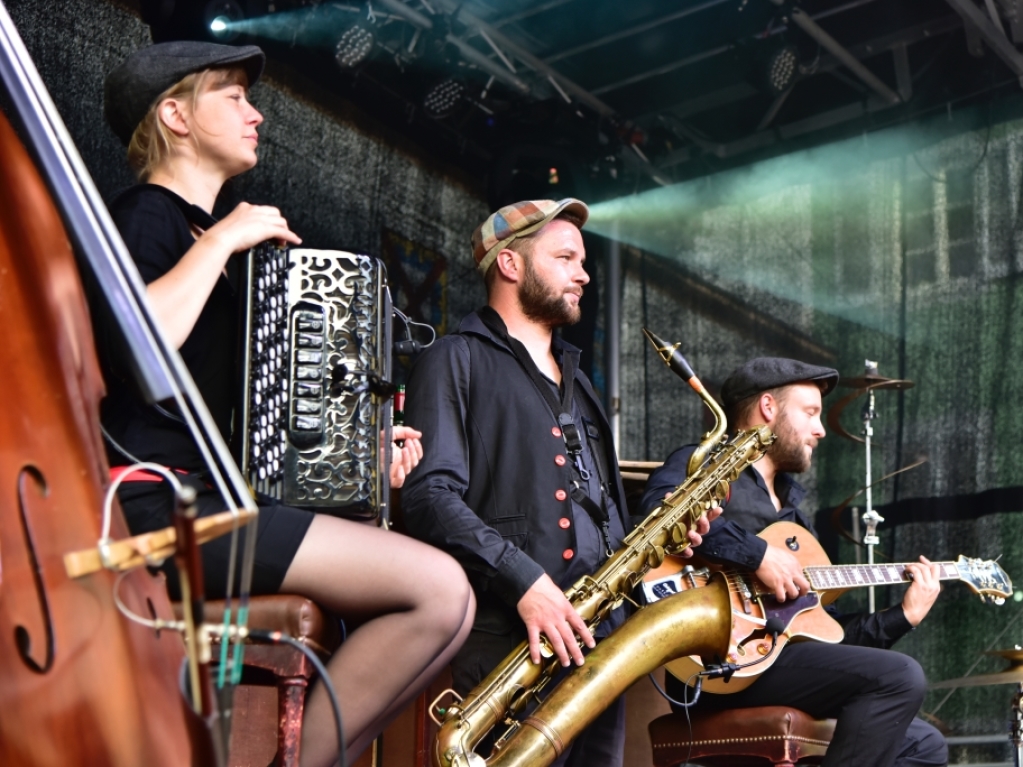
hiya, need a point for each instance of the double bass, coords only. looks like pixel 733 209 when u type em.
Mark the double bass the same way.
pixel 80 683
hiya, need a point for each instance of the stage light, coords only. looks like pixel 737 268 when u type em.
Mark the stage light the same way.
pixel 353 47
pixel 443 98
pixel 782 69
pixel 221 16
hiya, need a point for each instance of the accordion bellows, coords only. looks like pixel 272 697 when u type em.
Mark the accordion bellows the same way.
pixel 316 362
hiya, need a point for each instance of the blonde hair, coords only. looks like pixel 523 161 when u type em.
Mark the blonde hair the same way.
pixel 152 141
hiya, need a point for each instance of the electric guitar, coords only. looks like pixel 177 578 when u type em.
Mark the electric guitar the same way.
pixel 803 618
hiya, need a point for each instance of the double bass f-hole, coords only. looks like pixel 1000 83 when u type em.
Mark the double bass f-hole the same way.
pixel 31 486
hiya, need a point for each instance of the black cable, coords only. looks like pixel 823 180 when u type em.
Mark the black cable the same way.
pixel 681 703
pixel 774 627
pixel 684 703
pixel 276 637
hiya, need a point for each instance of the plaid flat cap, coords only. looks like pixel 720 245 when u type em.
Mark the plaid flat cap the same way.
pixel 765 373
pixel 133 86
pixel 517 220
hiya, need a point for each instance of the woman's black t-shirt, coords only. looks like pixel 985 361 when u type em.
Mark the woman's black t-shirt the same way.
pixel 159 227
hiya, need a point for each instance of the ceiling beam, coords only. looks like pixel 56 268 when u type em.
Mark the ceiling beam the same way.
pixel 631 31
pixel 543 8
pixel 561 83
pixel 999 43
pixel 766 138
pixel 671 66
pixel 836 49
pixel 884 43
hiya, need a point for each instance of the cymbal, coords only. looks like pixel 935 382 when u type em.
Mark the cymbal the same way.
pixel 875 382
pixel 1012 675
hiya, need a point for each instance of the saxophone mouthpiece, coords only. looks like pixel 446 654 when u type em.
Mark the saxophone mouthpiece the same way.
pixel 671 356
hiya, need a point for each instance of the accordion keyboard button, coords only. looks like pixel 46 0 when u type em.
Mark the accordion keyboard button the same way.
pixel 308 423
pixel 307 389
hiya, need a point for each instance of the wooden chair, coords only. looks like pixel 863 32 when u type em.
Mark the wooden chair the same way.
pixel 271 697
pixel 741 737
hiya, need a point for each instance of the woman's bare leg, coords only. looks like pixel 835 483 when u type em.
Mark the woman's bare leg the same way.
pixel 414 608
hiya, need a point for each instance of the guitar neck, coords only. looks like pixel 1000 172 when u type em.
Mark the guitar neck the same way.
pixel 825 577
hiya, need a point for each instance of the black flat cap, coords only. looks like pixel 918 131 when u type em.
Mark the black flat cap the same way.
pixel 765 373
pixel 132 88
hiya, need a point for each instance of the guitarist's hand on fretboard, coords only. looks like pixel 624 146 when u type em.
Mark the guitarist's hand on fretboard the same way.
pixel 922 592
pixel 783 574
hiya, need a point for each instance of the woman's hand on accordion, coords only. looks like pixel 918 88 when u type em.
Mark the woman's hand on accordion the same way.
pixel 406 457
pixel 248 225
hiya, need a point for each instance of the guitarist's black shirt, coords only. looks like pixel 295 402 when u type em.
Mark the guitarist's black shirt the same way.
pixel 733 536
pixel 732 539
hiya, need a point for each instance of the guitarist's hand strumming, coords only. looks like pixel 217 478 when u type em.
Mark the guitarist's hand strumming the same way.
pixel 783 574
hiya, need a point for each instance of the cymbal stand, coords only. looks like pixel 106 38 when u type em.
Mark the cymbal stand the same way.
pixel 1016 734
pixel 870 517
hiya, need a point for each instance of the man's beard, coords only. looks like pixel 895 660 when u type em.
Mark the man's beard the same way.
pixel 788 453
pixel 543 304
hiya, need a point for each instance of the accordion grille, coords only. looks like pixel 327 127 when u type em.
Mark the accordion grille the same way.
pixel 316 363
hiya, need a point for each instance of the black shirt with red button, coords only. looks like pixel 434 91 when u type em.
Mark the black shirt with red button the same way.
pixel 494 485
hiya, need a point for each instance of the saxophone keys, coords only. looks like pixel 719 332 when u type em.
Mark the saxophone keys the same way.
pixel 655 557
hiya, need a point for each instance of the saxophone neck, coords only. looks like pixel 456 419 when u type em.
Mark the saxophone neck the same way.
pixel 672 357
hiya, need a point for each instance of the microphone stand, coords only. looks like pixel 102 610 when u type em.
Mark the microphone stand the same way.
pixel 870 517
pixel 1016 734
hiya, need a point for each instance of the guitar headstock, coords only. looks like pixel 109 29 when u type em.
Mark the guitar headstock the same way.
pixel 986 577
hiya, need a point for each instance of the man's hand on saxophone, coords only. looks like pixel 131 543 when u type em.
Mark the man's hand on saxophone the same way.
pixel 702 527
pixel 545 610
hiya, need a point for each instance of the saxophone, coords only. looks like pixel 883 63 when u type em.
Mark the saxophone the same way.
pixel 693 622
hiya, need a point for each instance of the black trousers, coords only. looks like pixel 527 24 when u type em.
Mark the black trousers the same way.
pixel 874 694
pixel 602 744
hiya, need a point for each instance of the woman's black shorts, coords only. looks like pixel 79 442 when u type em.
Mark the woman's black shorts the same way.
pixel 148 506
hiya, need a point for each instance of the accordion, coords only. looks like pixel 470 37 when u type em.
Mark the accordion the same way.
pixel 315 409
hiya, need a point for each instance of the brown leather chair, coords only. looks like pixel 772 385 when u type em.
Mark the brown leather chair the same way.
pixel 260 710
pixel 741 737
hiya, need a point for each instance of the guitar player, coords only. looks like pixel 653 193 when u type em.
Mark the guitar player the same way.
pixel 872 691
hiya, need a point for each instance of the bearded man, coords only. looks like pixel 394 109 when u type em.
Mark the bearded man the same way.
pixel 872 691
pixel 519 479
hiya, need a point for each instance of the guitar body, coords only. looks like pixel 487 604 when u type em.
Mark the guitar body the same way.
pixel 752 606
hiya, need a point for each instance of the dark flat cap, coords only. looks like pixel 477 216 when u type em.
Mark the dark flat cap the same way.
pixel 132 88
pixel 765 373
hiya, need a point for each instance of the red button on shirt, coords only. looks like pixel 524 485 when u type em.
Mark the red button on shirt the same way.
pixel 555 431
pixel 560 495
pixel 567 554
pixel 564 523
pixel 560 460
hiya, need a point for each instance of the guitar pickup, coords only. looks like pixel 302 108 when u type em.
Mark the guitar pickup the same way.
pixel 747 596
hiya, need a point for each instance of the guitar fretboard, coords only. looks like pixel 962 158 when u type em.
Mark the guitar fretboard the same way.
pixel 850 576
